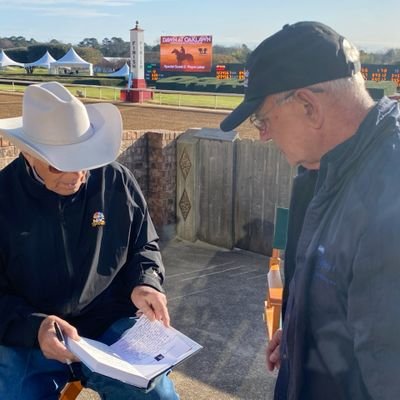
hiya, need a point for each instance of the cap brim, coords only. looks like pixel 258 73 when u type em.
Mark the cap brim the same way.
pixel 240 114
pixel 99 149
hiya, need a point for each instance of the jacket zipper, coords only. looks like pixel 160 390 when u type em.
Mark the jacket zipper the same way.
pixel 66 252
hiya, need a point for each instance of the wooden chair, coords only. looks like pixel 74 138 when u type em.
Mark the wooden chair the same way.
pixel 273 301
pixel 71 390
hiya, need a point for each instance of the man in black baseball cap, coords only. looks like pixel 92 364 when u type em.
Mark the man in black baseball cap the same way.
pixel 339 341
pixel 297 56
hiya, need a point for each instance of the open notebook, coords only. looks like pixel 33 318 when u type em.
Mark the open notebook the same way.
pixel 143 352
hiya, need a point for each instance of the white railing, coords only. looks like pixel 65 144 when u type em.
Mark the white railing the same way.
pixel 114 94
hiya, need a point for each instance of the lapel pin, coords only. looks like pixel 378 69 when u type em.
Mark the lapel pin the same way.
pixel 98 219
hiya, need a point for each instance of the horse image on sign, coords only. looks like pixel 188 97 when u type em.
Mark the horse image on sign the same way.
pixel 182 57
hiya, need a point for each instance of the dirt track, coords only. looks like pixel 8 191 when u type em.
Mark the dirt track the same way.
pixel 145 117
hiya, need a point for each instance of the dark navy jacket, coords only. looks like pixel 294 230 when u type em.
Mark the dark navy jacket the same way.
pixel 55 260
pixel 302 192
pixel 341 329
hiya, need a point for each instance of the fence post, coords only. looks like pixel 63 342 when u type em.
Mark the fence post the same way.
pixel 187 218
pixel 205 160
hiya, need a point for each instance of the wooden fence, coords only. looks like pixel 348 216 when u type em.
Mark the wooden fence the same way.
pixel 228 189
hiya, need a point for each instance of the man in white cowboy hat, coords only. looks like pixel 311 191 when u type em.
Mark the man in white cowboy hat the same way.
pixel 77 246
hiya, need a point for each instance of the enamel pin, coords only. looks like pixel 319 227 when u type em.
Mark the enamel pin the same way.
pixel 98 219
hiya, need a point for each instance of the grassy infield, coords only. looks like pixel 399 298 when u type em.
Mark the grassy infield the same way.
pixel 179 99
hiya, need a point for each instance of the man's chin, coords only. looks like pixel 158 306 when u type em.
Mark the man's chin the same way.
pixel 66 191
pixel 309 165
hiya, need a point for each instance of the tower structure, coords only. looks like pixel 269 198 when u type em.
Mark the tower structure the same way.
pixel 137 80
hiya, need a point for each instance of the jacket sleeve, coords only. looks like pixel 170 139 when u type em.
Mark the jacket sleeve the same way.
pixel 144 265
pixel 374 303
pixel 19 323
pixel 302 193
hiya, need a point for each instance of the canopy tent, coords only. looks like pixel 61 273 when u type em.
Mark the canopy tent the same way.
pixel 123 71
pixel 6 61
pixel 70 61
pixel 44 61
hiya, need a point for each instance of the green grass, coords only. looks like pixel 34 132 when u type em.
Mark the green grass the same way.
pixel 198 100
pixel 103 93
pixel 11 88
pixel 173 99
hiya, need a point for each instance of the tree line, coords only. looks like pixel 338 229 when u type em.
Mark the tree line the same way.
pixel 90 49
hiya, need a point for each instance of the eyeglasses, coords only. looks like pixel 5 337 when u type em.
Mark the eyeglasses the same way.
pixel 261 122
pixel 54 170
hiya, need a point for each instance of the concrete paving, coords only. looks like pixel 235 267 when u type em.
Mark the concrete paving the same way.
pixel 216 297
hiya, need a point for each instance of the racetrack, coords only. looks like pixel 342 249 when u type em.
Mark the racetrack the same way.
pixel 142 117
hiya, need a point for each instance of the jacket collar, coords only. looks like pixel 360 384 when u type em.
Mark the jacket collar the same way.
pixel 343 158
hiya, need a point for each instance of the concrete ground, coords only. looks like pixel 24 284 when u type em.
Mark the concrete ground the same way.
pixel 216 297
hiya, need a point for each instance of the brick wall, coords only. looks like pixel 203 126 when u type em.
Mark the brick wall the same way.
pixel 151 156
pixel 133 154
pixel 162 176
pixel 7 152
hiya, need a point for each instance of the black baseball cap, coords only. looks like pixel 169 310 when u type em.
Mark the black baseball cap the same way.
pixel 297 56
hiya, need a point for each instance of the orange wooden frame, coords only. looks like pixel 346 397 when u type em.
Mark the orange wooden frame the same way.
pixel 273 301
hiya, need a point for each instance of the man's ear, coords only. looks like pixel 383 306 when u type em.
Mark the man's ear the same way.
pixel 312 106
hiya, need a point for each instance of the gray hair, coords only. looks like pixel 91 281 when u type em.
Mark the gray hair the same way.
pixel 340 90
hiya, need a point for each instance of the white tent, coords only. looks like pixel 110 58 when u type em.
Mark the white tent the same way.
pixel 6 61
pixel 123 71
pixel 44 61
pixel 70 63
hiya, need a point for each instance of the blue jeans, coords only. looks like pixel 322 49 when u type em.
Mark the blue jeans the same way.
pixel 25 374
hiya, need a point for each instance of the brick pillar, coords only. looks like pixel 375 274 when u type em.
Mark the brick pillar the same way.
pixel 133 154
pixel 162 181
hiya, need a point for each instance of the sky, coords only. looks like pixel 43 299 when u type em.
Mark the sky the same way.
pixel 370 24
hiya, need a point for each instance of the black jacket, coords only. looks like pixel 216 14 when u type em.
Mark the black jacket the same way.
pixel 340 337
pixel 57 258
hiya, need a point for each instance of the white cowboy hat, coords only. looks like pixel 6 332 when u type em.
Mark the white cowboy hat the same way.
pixel 58 129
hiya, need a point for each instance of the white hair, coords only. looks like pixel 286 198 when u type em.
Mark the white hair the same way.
pixel 341 90
pixel 348 89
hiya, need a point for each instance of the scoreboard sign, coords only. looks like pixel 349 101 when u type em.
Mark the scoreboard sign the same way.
pixel 377 73
pixel 233 71
pixel 186 53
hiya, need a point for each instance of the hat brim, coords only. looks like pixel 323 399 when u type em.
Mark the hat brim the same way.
pixel 101 148
pixel 240 114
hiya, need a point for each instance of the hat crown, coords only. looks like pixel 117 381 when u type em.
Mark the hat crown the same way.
pixel 53 116
pixel 300 55
pixel 297 56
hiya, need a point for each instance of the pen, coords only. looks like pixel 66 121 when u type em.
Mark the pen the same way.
pixel 61 338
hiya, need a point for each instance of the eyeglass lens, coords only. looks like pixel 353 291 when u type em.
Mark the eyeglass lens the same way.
pixel 54 170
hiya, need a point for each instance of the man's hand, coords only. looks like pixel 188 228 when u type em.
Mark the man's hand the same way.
pixel 273 353
pixel 151 302
pixel 50 345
